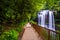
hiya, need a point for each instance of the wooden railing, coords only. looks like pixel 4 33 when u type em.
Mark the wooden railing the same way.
pixel 46 34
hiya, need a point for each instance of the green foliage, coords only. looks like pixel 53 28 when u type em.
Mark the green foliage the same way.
pixel 52 4
pixel 33 22
pixel 21 25
pixel 14 11
pixel 9 35
pixel 1 29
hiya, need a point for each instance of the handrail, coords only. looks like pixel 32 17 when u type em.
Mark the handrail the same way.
pixel 46 29
pixel 51 30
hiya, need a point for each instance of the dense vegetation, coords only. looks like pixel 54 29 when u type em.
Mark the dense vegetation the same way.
pixel 15 13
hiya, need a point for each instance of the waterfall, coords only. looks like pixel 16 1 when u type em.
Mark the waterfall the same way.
pixel 46 19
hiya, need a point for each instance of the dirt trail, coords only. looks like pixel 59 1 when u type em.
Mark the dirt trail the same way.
pixel 30 33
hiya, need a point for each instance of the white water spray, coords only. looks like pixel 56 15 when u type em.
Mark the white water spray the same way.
pixel 46 19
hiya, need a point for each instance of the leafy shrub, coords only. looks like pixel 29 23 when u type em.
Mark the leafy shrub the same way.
pixel 21 25
pixel 1 29
pixel 33 22
pixel 9 35
pixel 19 29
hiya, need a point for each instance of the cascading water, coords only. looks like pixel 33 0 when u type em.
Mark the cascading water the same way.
pixel 46 19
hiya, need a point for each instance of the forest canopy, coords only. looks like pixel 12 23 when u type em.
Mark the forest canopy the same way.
pixel 15 11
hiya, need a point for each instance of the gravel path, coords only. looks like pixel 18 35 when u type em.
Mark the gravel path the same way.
pixel 30 33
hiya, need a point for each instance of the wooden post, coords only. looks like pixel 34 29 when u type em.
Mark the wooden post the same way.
pixel 48 34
